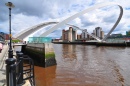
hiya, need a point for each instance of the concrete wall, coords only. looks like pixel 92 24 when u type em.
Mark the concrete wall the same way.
pixel 42 53
pixel 40 45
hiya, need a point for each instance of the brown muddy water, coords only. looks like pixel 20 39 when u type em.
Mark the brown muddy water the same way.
pixel 85 65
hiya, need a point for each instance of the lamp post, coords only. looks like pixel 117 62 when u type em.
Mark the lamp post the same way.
pixel 10 5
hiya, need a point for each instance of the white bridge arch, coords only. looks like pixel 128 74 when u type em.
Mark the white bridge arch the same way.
pixel 73 17
pixel 23 34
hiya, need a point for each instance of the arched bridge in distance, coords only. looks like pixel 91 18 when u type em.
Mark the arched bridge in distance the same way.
pixel 31 30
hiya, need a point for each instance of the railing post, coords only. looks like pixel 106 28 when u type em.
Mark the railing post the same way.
pixel 20 69
pixel 13 71
pixel 17 58
pixel 9 62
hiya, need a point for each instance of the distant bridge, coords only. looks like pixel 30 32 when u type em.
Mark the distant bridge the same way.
pixel 27 32
pixel 23 34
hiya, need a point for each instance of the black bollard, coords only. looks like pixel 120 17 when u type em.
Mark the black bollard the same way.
pixel 13 73
pixel 9 62
pixel 10 54
pixel 17 52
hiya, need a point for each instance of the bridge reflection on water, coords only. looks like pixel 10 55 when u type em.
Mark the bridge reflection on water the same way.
pixel 82 65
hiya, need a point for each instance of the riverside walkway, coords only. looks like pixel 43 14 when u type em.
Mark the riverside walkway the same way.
pixel 3 57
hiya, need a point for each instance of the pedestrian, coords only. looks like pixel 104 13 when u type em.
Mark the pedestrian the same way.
pixel 1 47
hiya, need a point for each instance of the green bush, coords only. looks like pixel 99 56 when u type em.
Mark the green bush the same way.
pixel 15 41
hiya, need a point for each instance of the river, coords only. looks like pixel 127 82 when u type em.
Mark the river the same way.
pixel 85 65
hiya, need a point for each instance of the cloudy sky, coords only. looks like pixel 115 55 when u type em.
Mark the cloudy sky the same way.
pixel 28 13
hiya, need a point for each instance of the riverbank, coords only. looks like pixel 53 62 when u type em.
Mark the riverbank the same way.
pixel 125 44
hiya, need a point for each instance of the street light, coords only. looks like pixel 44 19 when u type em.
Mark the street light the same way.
pixel 10 5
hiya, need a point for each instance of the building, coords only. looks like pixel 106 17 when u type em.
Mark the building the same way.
pixel 4 35
pixel 69 35
pixel 98 32
pixel 84 34
pixel 102 34
pixel 78 37
pixel 94 32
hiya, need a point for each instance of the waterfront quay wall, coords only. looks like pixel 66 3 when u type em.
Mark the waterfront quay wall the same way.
pixel 125 44
pixel 112 44
pixel 42 53
pixel 87 43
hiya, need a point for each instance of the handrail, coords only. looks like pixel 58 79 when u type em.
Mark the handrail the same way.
pixel 30 71
pixel 15 70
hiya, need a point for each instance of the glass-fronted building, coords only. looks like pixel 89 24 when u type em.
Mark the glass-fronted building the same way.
pixel 40 39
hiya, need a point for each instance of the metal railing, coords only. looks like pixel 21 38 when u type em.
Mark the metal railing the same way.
pixel 29 70
pixel 17 68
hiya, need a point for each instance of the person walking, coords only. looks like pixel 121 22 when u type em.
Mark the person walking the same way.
pixel 1 47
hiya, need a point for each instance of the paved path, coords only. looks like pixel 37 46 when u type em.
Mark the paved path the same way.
pixel 3 57
pixel 2 54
